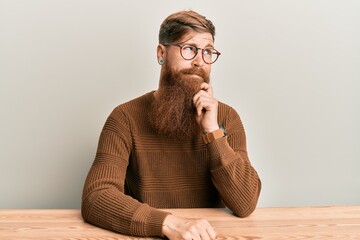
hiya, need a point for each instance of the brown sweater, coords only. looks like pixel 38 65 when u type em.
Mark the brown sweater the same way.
pixel 135 172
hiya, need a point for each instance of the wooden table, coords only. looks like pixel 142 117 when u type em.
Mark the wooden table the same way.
pixel 264 223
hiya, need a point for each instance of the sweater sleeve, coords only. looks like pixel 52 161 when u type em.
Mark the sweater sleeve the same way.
pixel 104 202
pixel 232 174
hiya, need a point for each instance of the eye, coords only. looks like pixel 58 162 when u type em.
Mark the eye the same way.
pixel 208 51
pixel 189 48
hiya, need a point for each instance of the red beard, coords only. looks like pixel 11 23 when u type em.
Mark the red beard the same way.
pixel 172 112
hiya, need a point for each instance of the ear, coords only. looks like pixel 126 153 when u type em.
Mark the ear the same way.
pixel 160 52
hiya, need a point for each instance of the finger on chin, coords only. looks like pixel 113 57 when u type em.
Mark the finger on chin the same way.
pixel 207 88
pixel 204 85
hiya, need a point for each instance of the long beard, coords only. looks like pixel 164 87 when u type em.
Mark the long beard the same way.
pixel 173 112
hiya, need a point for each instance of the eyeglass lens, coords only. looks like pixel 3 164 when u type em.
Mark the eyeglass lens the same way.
pixel 189 52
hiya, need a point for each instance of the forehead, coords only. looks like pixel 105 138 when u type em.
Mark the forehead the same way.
pixel 198 38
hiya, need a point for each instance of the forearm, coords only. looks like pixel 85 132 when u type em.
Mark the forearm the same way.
pixel 106 206
pixel 235 179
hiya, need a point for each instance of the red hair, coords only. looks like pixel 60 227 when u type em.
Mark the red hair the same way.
pixel 178 24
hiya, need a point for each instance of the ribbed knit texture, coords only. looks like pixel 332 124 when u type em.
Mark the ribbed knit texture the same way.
pixel 135 172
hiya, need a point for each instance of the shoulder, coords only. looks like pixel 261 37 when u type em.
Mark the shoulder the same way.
pixel 223 107
pixel 131 109
pixel 139 102
pixel 225 111
pixel 136 104
pixel 229 118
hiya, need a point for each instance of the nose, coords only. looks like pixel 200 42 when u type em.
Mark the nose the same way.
pixel 198 61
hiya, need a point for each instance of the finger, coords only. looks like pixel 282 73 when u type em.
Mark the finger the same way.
pixel 199 94
pixel 207 88
pixel 186 236
pixel 201 105
pixel 210 230
pixel 203 96
pixel 200 109
pixel 193 235
pixel 198 98
pixel 196 237
pixel 205 103
pixel 198 230
pixel 211 234
pixel 204 235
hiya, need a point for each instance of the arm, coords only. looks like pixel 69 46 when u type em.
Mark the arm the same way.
pixel 104 202
pixel 232 174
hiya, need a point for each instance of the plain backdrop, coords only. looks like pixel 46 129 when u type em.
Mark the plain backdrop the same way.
pixel 290 68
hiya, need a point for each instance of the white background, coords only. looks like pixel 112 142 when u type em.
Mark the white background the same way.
pixel 290 68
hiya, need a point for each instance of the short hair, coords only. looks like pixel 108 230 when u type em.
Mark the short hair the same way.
pixel 175 26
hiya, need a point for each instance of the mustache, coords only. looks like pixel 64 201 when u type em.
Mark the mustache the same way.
pixel 196 71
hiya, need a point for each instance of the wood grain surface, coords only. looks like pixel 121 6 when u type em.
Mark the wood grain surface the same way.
pixel 265 223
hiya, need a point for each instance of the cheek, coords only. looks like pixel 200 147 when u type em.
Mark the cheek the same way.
pixel 178 66
pixel 174 58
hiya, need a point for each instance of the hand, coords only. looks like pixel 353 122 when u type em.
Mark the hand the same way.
pixel 206 108
pixel 176 228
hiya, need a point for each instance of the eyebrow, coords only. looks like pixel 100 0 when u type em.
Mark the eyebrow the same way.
pixel 193 44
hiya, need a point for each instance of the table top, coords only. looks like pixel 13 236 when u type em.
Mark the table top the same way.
pixel 335 222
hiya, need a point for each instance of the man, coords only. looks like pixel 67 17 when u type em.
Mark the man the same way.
pixel 176 147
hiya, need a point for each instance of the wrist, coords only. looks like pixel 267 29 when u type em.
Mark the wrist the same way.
pixel 211 129
pixel 167 224
pixel 213 135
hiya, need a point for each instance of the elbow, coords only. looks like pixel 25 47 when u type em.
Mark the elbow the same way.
pixel 88 201
pixel 85 209
pixel 242 211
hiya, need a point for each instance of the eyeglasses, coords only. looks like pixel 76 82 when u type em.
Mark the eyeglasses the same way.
pixel 189 52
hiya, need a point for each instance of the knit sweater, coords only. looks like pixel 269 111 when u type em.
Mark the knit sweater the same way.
pixel 136 172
